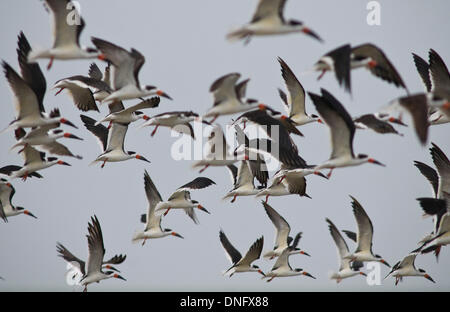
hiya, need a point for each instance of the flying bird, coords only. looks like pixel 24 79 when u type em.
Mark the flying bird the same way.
pixel 80 265
pixel 33 162
pixel 7 209
pixel 86 90
pixel 181 198
pixel 345 58
pixel 269 20
pixel 94 268
pixel 416 105
pixel 342 130
pixel 406 267
pixel 132 113
pixel 282 239
pixel 66 35
pixel 177 120
pixel 436 78
pixel 229 96
pixel 294 100
pixel 243 184
pixel 152 219
pixel 282 268
pixel 111 140
pixel 242 264
pixel 28 92
pixel 375 123
pixel 126 66
pixel 346 267
pixel 363 237
pixel 285 185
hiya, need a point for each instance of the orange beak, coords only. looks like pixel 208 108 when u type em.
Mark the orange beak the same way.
pixel 176 234
pixel 141 158
pixel 376 162
pixel 101 57
pixel 262 107
pixel 372 64
pixel 145 117
pixel 60 162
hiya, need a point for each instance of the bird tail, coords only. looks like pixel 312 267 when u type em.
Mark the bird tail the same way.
pixel 228 195
pixel 93 162
pixel 14 146
pixel 8 128
pixel 137 237
pixel 35 53
pixel 99 122
pixel 238 34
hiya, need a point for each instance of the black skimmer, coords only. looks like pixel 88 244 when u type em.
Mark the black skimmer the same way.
pixel 373 122
pixel 363 237
pixel 437 208
pixel 218 151
pixel 243 184
pixel 94 266
pixel 280 146
pixel 440 179
pixel 33 162
pixel 66 35
pixel 440 184
pixel 269 20
pixel 229 97
pixel 441 234
pixel 417 106
pixel 7 209
pixel 86 90
pixel 345 58
pixel 152 219
pixel 82 96
pixel 178 121
pixel 283 185
pixel 132 113
pixel 45 137
pixel 295 97
pixel 242 264
pixel 256 161
pixel 126 68
pixel 436 78
pixel 342 130
pixel 282 267
pixel 112 141
pixel 406 267
pixel 80 265
pixel 102 81
pixel 282 238
pixel 28 92
pixel 181 198
pixel 346 267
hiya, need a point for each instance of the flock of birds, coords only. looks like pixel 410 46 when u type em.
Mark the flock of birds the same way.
pixel 38 133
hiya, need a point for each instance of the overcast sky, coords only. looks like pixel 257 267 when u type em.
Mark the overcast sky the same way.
pixel 185 49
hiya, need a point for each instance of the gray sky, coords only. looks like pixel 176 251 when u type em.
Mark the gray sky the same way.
pixel 185 49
